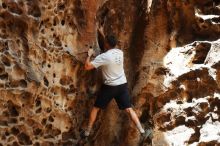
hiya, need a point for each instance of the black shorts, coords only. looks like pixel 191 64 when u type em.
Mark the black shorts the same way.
pixel 119 93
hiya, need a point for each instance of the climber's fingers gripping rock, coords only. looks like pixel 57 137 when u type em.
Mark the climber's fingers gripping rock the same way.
pixel 90 52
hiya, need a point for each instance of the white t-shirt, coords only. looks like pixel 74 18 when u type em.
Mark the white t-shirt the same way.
pixel 112 65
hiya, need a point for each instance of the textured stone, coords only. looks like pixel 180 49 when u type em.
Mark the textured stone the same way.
pixel 46 95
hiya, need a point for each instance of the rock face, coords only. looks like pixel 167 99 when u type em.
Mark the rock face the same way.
pixel 172 63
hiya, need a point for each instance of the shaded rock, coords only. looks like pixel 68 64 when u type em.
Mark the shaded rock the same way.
pixel 24 139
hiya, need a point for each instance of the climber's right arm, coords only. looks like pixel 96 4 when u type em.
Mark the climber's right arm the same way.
pixel 100 60
pixel 88 64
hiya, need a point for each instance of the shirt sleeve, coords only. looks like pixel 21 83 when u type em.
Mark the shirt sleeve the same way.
pixel 102 59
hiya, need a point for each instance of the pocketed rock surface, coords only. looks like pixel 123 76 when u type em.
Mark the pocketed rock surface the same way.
pixel 172 63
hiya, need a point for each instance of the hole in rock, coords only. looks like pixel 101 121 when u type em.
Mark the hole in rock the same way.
pixel 201 20
pixel 180 120
pixel 42 31
pixel 13 111
pixel 22 118
pixel 44 121
pixel 43 44
pixel 160 71
pixel 38 110
pixel 54 22
pixel 191 123
pixel 41 23
pixel 46 83
pixel 37 131
pixel 71 86
pixel 51 119
pixel 4 76
pixel 49 126
pixel 37 102
pixel 48 110
pixel 71 90
pixel 216 20
pixel 61 6
pixel 6 61
pixel 23 83
pixel 57 41
pixel 189 99
pixel 18 41
pixel 179 102
pixel 4 5
pixel 63 22
pixel 15 143
pixel 55 132
pixel 24 139
pixel 201 52
pixel 14 130
pixel 7 133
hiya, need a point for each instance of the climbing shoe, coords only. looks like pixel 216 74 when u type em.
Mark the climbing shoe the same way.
pixel 83 135
pixel 146 134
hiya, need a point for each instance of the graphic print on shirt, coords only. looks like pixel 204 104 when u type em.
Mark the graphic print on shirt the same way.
pixel 118 58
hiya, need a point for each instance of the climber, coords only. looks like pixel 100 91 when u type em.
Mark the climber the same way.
pixel 115 83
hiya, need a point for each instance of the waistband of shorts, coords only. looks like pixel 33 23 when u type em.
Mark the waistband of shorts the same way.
pixel 124 84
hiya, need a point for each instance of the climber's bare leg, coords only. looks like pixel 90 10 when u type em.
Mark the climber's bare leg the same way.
pixel 92 119
pixel 132 114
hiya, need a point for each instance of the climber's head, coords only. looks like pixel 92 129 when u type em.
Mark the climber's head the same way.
pixel 110 42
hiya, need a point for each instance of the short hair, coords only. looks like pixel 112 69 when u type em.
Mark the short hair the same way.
pixel 111 40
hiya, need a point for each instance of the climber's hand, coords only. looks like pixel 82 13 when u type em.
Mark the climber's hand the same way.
pixel 101 30
pixel 90 52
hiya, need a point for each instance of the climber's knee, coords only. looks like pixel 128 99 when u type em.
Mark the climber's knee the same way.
pixel 128 110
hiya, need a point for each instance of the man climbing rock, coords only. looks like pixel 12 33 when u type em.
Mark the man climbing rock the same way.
pixel 115 84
